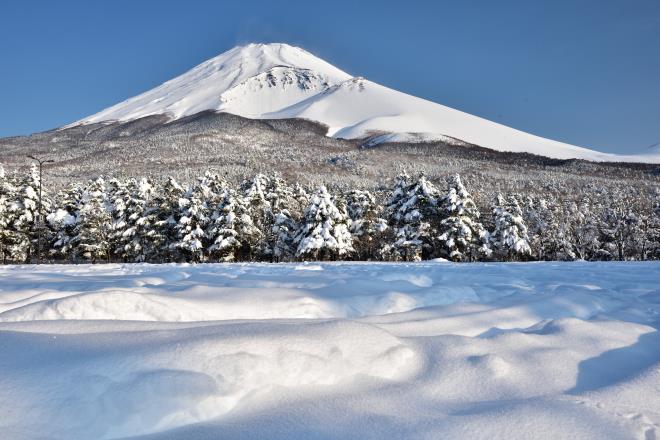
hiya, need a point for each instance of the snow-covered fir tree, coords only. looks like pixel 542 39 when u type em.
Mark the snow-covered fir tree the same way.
pixel 23 211
pixel 9 237
pixel 281 196
pixel 191 240
pixel 324 233
pixel 398 194
pixel 93 231
pixel 119 195
pixel 212 186
pixel 233 234
pixel 619 225
pixel 548 235
pixel 414 217
pixel 558 234
pixel 582 236
pixel 149 237
pixel 62 222
pixel 462 236
pixel 167 206
pixel 260 211
pixel 139 239
pixel 509 239
pixel 367 225
pixel 535 226
pixel 285 212
pixel 302 196
pixel 652 249
pixel 283 234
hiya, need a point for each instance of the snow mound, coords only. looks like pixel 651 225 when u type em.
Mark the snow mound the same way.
pixel 144 381
pixel 192 305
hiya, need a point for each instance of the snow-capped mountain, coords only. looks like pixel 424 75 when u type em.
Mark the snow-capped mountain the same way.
pixel 247 80
pixel 276 81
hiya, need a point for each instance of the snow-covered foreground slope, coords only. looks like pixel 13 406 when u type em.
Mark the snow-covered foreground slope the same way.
pixel 432 350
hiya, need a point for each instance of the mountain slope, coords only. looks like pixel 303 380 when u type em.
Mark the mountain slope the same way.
pixel 278 81
pixel 358 107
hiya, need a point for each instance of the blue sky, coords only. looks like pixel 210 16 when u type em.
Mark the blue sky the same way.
pixel 582 72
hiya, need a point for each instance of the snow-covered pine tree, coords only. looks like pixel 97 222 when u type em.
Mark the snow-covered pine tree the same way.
pixel 286 212
pixel 324 233
pixel 653 232
pixel 281 196
pixel 558 234
pixel 9 237
pixel 191 240
pixel 258 207
pixel 23 210
pixel 213 187
pixel 398 194
pixel 547 230
pixel 582 233
pixel 462 236
pixel 4 213
pixel 632 234
pixel 644 243
pixel 535 226
pixel 302 197
pixel 62 222
pixel 367 226
pixel 600 251
pixel 233 234
pixel 619 226
pixel 149 235
pixel 119 197
pixel 92 233
pixel 167 211
pixel 414 217
pixel 283 234
pixel 139 239
pixel 509 239
pixel 391 249
pixel 552 230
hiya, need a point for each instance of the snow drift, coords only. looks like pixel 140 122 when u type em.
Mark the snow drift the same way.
pixel 342 350
pixel 281 81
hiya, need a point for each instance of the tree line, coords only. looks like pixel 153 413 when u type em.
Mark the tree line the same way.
pixel 267 219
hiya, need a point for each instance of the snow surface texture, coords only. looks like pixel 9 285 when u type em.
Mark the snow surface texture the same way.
pixel 346 350
pixel 277 81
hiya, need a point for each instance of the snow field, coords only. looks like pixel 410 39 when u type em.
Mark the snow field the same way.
pixel 340 350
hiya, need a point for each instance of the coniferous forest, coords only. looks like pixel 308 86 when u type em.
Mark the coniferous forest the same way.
pixel 268 219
